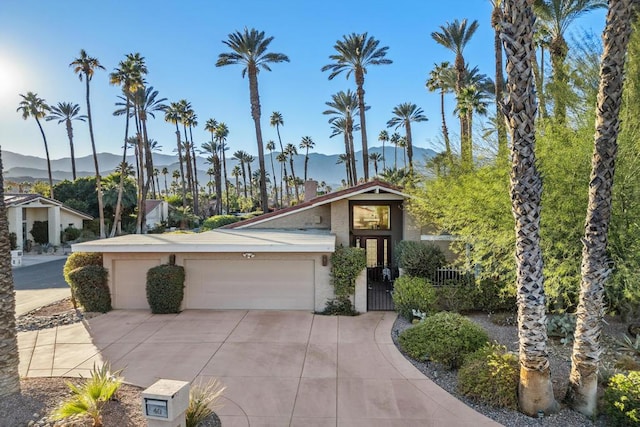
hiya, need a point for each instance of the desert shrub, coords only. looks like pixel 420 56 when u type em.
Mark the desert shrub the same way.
pixel 13 241
pixel 491 296
pixel 40 232
pixel 490 375
pixel 90 289
pixel 419 259
pixel 218 221
pixel 165 288
pixel 622 399
pixel 456 298
pixel 203 400
pixel 346 264
pixel 80 259
pixel 339 307
pixel 413 293
pixel 444 337
pixel 71 233
pixel 561 326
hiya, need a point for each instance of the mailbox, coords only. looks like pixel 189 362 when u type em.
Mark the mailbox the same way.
pixel 165 402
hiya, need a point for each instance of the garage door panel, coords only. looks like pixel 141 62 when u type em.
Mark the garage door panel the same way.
pixel 250 284
pixel 130 277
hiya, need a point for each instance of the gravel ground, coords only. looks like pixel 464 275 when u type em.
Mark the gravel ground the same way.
pixel 559 358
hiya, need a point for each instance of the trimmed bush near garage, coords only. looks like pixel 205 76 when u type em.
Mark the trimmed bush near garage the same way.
pixel 413 293
pixel 622 399
pixel 89 286
pixel 419 259
pixel 165 288
pixel 80 259
pixel 445 338
pixel 491 375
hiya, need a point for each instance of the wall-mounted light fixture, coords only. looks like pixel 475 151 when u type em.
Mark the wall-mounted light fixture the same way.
pixel 248 255
pixel 325 260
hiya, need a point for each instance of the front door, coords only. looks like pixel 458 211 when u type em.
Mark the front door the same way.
pixel 379 271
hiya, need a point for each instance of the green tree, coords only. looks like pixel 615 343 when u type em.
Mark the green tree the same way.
pixel 65 112
pixel 438 82
pixel 85 66
pixel 404 114
pixel 355 53
pixel 249 49
pixel 36 107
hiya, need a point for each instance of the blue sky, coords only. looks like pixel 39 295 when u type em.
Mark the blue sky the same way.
pixel 181 41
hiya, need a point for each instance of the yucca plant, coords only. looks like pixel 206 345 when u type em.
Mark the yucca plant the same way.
pixel 629 345
pixel 89 398
pixel 203 400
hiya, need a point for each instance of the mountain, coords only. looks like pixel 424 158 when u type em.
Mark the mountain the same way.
pixel 322 167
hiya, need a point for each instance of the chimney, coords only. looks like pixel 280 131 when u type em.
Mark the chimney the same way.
pixel 310 189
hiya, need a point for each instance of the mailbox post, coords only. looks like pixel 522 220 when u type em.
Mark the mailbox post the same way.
pixel 165 402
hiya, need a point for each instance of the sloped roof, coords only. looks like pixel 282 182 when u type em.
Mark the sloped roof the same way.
pixel 151 204
pixel 19 199
pixel 367 187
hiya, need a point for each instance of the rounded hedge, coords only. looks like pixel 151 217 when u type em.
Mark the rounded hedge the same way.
pixel 419 259
pixel 445 338
pixel 165 288
pixel 89 285
pixel 413 293
pixel 80 259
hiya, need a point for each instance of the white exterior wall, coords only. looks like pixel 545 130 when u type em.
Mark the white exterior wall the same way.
pixel 67 219
pixel 14 216
pixel 314 218
pixel 340 222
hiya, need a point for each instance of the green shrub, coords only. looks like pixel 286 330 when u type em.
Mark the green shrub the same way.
pixel 622 399
pixel 419 259
pixel 80 259
pixel 445 338
pixel 40 232
pixel 218 221
pixel 346 264
pixel 71 233
pixel 491 375
pixel 165 288
pixel 456 298
pixel 413 293
pixel 13 241
pixel 561 326
pixel 339 307
pixel 90 289
pixel 492 295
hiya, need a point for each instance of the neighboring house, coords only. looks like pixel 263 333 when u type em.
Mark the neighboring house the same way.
pixel 24 209
pixel 156 213
pixel 279 260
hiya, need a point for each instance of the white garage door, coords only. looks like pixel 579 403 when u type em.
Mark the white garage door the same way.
pixel 249 284
pixel 130 278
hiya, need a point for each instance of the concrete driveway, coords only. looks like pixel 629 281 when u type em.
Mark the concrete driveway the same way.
pixel 281 368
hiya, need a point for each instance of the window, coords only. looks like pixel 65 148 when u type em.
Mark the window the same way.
pixel 371 217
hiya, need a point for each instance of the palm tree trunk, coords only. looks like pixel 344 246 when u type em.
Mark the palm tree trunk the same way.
pixel 583 381
pixel 9 355
pixel 275 183
pixel 73 156
pixel 46 150
pixel 445 130
pixel 196 202
pixel 250 179
pixel 496 17
pixel 181 164
pixel 118 210
pixel 359 74
pixel 95 163
pixel 244 179
pixel 255 114
pixel 407 127
pixel 284 167
pixel 293 179
pixel 352 156
pixel 539 79
pixel 535 388
pixel 384 156
pixel 224 170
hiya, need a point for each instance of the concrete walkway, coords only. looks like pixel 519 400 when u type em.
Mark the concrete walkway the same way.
pixel 30 299
pixel 281 368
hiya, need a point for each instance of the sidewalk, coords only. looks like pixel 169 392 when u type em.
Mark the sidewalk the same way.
pixel 33 259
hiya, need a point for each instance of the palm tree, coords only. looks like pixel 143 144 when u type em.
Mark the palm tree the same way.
pixel 306 144
pixel 596 266
pixel 276 120
pixel 344 158
pixel 237 173
pixel 248 159
pixel 356 52
pixel 85 65
pixel 282 159
pixel 249 49
pixel 375 158
pixel 213 148
pixel 496 19
pixel 66 112
pixel 36 107
pixel 384 138
pixel 405 114
pixel 9 356
pixel 165 172
pixel 455 36
pixel 222 132
pixel 270 147
pixel 343 105
pixel 556 17
pixel 191 120
pixel 185 111
pixel 535 388
pixel 395 141
pixel 290 150
pixel 340 126
pixel 472 99
pixel 240 156
pixel 437 81
pixel 172 115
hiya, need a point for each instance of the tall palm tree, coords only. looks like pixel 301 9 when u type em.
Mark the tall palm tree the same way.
pixel 222 132
pixel 437 81
pixel 291 151
pixel 344 158
pixel 496 19
pixel 66 112
pixel 394 140
pixel 270 147
pixel 596 267
pixel 130 75
pixel 248 159
pixel 535 388
pixel 9 355
pixel 249 49
pixel 165 172
pixel 406 113
pixel 85 66
pixel 375 158
pixel 340 126
pixel 240 156
pixel 34 106
pixel 213 148
pixel 355 53
pixel 455 36
pixel 191 121
pixel 384 138
pixel 185 110
pixel 172 115
pixel 343 105
pixel 276 120
pixel 236 172
pixel 556 17
pixel 472 99
pixel 282 159
pixel 306 144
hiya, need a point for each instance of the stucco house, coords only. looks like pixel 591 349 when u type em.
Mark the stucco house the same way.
pixel 156 213
pixel 24 209
pixel 279 260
